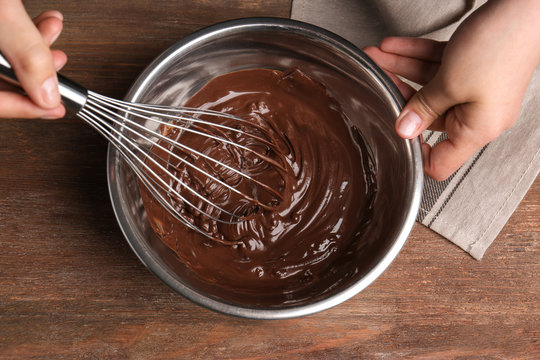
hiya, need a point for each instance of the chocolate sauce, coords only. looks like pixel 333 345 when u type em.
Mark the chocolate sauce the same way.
pixel 286 251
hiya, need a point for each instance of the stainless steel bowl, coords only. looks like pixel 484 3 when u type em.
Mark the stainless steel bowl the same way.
pixel 369 99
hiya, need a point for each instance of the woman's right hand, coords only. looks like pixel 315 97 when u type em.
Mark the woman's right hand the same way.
pixel 25 44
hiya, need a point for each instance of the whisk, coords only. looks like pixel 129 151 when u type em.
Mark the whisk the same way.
pixel 136 131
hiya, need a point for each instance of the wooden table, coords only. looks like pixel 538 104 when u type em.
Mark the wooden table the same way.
pixel 71 288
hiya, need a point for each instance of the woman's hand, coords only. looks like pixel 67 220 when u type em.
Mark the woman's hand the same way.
pixel 473 86
pixel 25 44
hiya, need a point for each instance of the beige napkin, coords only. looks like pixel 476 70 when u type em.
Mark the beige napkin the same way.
pixel 473 205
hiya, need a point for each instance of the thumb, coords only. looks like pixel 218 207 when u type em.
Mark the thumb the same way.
pixel 422 109
pixel 23 46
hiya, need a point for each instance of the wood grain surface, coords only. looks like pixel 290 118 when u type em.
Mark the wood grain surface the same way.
pixel 71 288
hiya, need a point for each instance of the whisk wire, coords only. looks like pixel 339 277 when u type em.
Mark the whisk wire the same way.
pixel 87 115
pixel 178 115
pixel 98 126
pixel 127 121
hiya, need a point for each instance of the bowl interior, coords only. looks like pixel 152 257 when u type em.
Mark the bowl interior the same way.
pixel 368 99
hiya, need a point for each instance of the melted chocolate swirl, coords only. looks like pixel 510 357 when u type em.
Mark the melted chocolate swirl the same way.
pixel 322 189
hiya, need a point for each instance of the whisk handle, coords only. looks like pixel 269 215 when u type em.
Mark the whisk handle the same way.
pixel 73 95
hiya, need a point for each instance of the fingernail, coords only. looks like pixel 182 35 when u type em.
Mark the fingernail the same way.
pixel 55 113
pixel 409 124
pixel 49 91
pixel 54 38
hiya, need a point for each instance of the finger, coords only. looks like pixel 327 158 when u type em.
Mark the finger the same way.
pixel 417 48
pixel 429 104
pixel 49 25
pixel 467 134
pixel 405 89
pixel 29 55
pixel 59 59
pixel 20 106
pixel 48 14
pixel 415 70
pixel 445 158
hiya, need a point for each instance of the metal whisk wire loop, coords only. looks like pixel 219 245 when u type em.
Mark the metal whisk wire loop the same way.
pixel 125 125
